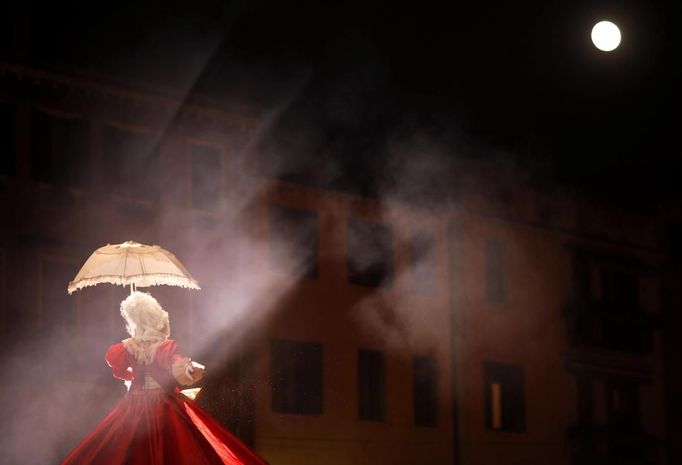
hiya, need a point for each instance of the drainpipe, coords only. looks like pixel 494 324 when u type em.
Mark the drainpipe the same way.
pixel 452 243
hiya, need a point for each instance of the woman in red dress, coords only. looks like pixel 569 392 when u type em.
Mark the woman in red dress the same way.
pixel 155 424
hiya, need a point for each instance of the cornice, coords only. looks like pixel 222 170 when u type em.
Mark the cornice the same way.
pixel 168 100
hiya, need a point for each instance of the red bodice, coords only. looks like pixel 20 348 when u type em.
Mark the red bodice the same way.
pixel 125 367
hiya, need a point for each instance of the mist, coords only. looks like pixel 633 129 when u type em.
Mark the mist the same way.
pixel 339 129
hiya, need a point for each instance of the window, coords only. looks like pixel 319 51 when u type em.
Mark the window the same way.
pixel 425 391
pixel 370 253
pixel 8 139
pixel 58 317
pixel 293 241
pixel 581 275
pixel 618 289
pixel 131 165
pixel 59 149
pixel 495 286
pixel 611 281
pixel 674 244
pixel 207 177
pixel 7 30
pixel 623 410
pixel 58 309
pixel 606 311
pixel 371 385
pixel 585 399
pixel 4 327
pixel 296 373
pixel 422 263
pixel 504 397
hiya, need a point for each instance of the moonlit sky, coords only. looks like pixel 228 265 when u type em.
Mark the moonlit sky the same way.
pixel 517 78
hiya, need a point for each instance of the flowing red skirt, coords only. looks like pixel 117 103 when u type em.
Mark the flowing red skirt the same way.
pixel 160 428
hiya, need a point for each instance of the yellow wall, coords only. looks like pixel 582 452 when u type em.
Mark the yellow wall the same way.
pixel 331 311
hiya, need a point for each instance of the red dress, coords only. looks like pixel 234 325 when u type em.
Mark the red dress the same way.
pixel 158 426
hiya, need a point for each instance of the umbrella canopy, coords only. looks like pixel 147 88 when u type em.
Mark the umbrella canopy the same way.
pixel 135 264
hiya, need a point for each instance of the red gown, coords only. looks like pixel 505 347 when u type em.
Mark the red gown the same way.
pixel 158 426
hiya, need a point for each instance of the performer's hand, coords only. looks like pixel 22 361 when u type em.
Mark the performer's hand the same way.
pixel 197 373
pixel 186 372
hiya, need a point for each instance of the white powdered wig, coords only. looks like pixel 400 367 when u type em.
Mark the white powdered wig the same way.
pixel 146 321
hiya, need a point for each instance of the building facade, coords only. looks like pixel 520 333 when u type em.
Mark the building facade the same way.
pixel 518 327
pixel 558 305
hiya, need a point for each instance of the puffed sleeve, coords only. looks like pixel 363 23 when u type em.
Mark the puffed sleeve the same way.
pixel 167 353
pixel 117 358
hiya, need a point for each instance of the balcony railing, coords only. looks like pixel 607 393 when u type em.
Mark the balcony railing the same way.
pixel 596 325
pixel 591 444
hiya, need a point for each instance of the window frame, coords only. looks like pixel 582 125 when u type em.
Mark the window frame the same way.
pixel 3 291
pixel 300 404
pixel 58 115
pixel 425 412
pixel 495 274
pixel 362 277
pixel 220 149
pixel 417 285
pixel 373 406
pixel 60 259
pixel 138 131
pixel 275 240
pixel 14 164
pixel 510 379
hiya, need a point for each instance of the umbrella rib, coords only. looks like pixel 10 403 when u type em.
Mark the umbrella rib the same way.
pixel 142 274
pixel 125 262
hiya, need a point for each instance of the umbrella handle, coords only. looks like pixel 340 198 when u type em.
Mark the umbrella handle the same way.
pixel 132 288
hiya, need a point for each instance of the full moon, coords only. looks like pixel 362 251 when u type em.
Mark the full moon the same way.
pixel 605 36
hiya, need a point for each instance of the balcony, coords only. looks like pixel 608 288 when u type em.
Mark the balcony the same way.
pixel 591 444
pixel 595 325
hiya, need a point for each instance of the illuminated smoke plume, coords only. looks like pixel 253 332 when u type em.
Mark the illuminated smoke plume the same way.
pixel 329 135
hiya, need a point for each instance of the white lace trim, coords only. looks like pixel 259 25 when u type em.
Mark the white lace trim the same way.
pixel 145 280
pixel 143 351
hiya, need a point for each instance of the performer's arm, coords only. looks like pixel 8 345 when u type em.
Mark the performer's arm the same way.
pixel 183 369
pixel 117 358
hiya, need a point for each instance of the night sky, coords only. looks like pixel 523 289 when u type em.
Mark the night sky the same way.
pixel 340 82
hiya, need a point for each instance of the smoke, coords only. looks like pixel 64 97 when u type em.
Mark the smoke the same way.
pixel 416 190
pixel 56 385
pixel 342 133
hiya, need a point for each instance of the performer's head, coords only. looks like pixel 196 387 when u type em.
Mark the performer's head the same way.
pixel 145 319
